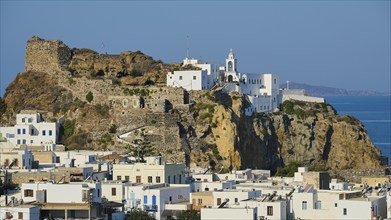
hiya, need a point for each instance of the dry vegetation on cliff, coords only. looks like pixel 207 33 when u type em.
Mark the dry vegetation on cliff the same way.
pixel 208 129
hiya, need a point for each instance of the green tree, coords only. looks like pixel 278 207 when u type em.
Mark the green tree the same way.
pixel 138 215
pixel 189 215
pixel 89 97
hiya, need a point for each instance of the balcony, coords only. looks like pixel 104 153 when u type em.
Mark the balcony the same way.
pixel 150 208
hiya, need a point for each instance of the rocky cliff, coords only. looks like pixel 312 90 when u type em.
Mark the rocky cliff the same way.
pixel 200 128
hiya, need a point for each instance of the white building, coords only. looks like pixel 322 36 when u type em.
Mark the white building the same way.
pixel 21 159
pixel 229 213
pixel 156 197
pixel 20 212
pixel 80 157
pixel 262 90
pixel 327 204
pixel 189 79
pixel 299 95
pixel 31 130
pixel 335 185
pixel 273 208
pixel 154 170
pixel 75 199
pixel 114 190
pixel 211 186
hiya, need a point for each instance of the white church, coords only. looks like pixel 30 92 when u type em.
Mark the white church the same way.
pixel 261 89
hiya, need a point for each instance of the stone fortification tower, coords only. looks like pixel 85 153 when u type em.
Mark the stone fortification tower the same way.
pixel 47 55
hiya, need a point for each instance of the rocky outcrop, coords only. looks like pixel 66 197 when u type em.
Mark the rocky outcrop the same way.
pixel 200 128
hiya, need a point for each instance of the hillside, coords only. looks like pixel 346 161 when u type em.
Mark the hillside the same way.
pixel 200 128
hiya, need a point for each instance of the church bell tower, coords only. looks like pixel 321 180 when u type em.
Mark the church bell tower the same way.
pixel 230 67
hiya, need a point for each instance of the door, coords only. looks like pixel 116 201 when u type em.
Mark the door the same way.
pixel 138 179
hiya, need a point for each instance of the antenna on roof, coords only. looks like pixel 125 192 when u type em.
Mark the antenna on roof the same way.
pixel 187 49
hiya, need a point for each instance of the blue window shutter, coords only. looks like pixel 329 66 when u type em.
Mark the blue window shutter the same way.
pixel 145 199
pixel 153 200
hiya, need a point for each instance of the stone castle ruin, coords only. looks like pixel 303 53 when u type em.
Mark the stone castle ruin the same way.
pixel 149 110
pixel 47 55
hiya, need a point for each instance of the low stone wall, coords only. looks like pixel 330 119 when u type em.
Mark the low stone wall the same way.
pixel 355 175
pixel 302 98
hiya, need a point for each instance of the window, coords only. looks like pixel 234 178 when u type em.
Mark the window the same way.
pixel 199 201
pixel 138 179
pixel 169 179
pixel 50 133
pixel 174 179
pixel 158 179
pixel 85 195
pixel 145 199
pixel 127 178
pixel 24 131
pixel 30 120
pixel 275 81
pixel 304 205
pixel 28 193
pixel 218 201
pixel 149 179
pixel 113 191
pixel 23 120
pixel 18 131
pixel 20 215
pixel 236 200
pixel 24 141
pixel 318 205
pixel 194 77
pixel 31 141
pixel 18 141
pixel 345 211
pixel 335 204
pixel 118 177
pixel 180 77
pixel 43 132
pixel 270 210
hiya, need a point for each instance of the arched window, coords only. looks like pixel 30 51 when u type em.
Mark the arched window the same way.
pixel 230 66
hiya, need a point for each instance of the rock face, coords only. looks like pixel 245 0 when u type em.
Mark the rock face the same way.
pixel 200 128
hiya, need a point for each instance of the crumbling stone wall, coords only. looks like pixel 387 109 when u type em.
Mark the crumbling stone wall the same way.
pixel 47 55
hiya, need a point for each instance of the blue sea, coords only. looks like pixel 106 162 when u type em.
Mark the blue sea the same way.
pixel 373 111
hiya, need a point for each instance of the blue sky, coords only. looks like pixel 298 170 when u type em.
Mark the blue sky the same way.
pixel 343 44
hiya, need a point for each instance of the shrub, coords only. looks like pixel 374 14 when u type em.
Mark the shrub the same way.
pixel 288 107
pixel 69 128
pixel 300 113
pixel 106 138
pixel 206 115
pixel 138 215
pixel 189 215
pixel 71 81
pixel 288 170
pixel 135 73
pixel 113 129
pixel 102 110
pixel 100 73
pixel 89 97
